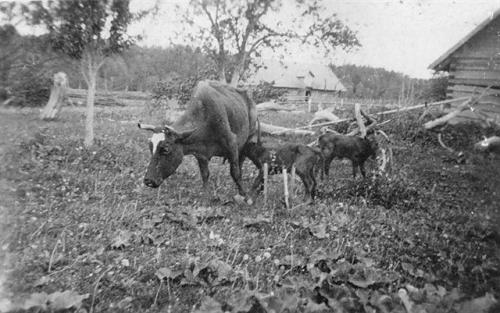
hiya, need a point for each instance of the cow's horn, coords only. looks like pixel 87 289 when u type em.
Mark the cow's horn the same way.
pixel 146 126
pixel 171 130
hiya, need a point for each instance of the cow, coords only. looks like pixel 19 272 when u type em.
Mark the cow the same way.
pixel 354 148
pixel 219 121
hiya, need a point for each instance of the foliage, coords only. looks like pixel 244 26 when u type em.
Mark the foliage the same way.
pixel 233 33
pixel 265 91
pixel 77 27
pixel 436 89
pixel 30 89
pixel 181 88
pixel 89 31
pixel 82 220
pixel 379 83
pixel 44 302
pixel 23 68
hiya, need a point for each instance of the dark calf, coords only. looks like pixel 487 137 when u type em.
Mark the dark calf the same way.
pixel 354 148
pixel 305 159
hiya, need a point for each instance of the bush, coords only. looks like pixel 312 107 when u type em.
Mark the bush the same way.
pixel 30 88
pixel 390 191
pixel 180 88
pixel 265 91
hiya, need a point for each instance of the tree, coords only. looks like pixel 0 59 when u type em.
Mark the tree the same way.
pixel 355 79
pixel 234 32
pixel 89 31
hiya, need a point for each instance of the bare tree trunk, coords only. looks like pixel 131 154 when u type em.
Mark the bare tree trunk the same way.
pixel 222 74
pixel 239 69
pixel 90 65
pixel 89 121
pixel 237 73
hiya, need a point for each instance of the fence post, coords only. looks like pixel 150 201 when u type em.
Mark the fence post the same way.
pixel 285 182
pixel 265 183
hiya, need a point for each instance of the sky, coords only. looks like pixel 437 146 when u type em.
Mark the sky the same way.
pixel 401 35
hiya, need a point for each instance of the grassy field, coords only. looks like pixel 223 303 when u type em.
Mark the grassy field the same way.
pixel 425 236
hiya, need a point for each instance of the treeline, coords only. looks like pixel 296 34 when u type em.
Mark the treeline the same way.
pixel 27 65
pixel 378 83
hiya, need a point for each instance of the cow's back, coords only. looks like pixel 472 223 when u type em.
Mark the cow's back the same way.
pixel 221 103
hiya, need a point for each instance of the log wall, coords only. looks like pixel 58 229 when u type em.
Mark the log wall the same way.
pixel 474 67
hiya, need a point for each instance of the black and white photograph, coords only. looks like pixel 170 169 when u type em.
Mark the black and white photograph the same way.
pixel 250 156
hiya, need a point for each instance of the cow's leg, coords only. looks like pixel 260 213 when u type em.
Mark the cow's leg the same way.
pixel 326 164
pixel 232 147
pixel 252 156
pixel 205 173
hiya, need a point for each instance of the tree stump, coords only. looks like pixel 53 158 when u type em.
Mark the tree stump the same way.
pixel 58 95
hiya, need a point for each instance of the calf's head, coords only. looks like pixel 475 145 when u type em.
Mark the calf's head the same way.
pixel 166 150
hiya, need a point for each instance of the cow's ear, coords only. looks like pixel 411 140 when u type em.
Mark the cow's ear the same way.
pixel 183 137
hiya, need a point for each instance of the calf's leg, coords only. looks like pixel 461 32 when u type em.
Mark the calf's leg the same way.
pixel 362 169
pixel 205 173
pixel 326 164
pixel 354 168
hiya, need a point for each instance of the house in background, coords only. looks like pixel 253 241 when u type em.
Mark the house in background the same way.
pixel 304 83
pixel 473 64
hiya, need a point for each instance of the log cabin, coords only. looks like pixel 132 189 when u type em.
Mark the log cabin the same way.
pixel 304 84
pixel 473 64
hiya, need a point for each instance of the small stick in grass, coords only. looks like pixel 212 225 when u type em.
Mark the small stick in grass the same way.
pixel 285 182
pixel 94 294
pixel 52 256
pixel 158 292
pixel 265 182
pixel 292 183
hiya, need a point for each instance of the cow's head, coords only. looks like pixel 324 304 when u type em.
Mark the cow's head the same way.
pixel 166 150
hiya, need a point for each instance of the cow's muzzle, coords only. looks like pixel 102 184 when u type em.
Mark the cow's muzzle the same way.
pixel 151 183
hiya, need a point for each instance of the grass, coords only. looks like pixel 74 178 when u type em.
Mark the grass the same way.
pixel 81 220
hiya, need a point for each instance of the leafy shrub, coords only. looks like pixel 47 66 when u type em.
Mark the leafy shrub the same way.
pixel 265 91
pixel 180 88
pixel 30 88
pixel 436 89
pixel 390 191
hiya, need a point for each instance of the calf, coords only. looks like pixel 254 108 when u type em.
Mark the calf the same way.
pixel 304 158
pixel 354 148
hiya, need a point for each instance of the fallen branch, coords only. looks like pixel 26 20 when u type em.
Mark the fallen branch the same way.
pixel 363 129
pixel 468 104
pixel 359 120
pixel 272 106
pixel 419 106
pixel 440 140
pixel 279 130
pixel 6 102
pixel 324 115
pixel 444 119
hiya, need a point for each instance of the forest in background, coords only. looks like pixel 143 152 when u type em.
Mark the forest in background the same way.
pixel 27 65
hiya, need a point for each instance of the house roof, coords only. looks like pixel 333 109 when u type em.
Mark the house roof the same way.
pixel 444 60
pixel 297 75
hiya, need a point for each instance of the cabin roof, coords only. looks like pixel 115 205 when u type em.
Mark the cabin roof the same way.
pixel 444 60
pixel 297 76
